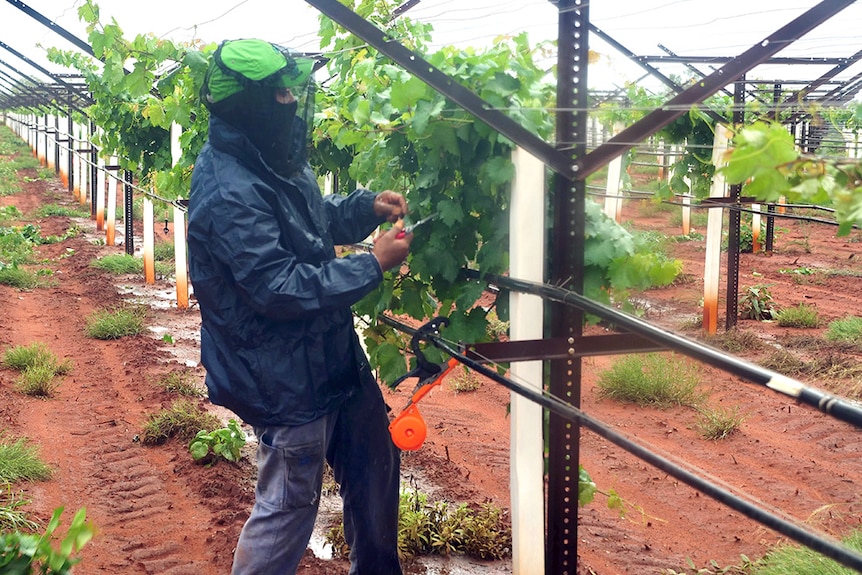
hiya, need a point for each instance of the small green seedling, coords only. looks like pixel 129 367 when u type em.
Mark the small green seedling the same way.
pixel 225 442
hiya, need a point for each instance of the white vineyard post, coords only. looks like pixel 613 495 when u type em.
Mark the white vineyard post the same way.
pixel 51 146
pixel 712 259
pixel 76 162
pixel 686 210
pixel 64 150
pixel 83 157
pixel 526 246
pixel 99 200
pixel 686 214
pixel 182 273
pixel 49 143
pixel 114 189
pixel 40 149
pixel 755 228
pixel 613 201
pixel 149 241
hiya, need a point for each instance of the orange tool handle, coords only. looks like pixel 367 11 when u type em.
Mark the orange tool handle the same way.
pixel 408 430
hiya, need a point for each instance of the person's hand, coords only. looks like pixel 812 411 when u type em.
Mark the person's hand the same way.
pixel 390 205
pixel 390 250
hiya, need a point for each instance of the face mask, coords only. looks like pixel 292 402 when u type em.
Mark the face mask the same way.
pixel 272 127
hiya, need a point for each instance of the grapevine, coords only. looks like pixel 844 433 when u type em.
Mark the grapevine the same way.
pixel 379 127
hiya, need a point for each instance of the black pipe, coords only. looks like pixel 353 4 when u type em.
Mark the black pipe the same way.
pixel 838 407
pixel 831 549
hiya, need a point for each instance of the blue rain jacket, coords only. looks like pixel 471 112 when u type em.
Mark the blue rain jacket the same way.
pixel 277 334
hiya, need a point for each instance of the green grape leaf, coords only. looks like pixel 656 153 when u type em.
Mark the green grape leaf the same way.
pixel 586 488
pixel 405 95
pixel 390 360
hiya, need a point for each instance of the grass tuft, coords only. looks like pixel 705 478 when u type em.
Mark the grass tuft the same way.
pixel 19 461
pixel 12 518
pixel 116 323
pixel 183 419
pixel 800 560
pixel 19 278
pixel 464 381
pixel 38 366
pixel 441 528
pixel 848 329
pixel 656 379
pixel 719 423
pixel 802 315
pixel 181 382
pixel 49 210
pixel 119 264
pixel 37 381
pixel 735 340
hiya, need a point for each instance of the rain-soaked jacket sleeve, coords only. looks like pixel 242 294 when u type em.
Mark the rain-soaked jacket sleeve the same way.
pixel 265 261
pixel 351 218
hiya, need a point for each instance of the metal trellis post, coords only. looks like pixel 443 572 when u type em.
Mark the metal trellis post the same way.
pixel 567 264
pixel 128 204
pixel 732 309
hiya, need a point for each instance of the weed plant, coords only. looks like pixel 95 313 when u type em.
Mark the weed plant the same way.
pixel 119 264
pixel 19 278
pixel 464 381
pixel 20 461
pixel 440 528
pixel 745 567
pixel 802 315
pixel 719 423
pixel 15 248
pixel 848 329
pixel 827 365
pixel 800 560
pixel 24 553
pixel 183 419
pixel 164 251
pixel 116 323
pixel 9 214
pixel 38 367
pixel 655 379
pixel 49 210
pixel 12 517
pixel 37 381
pixel 180 382
pixel 735 340
pixel 756 303
pixel 22 357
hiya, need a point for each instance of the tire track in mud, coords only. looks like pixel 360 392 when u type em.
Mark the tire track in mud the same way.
pixel 99 409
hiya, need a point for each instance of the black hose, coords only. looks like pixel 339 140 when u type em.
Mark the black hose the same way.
pixel 831 549
pixel 843 409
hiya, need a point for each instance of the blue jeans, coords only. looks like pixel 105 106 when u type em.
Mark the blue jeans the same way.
pixel 355 441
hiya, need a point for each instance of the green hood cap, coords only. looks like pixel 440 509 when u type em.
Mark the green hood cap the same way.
pixel 237 64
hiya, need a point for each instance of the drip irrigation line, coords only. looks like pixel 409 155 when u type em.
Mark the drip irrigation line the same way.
pixel 838 407
pixel 832 549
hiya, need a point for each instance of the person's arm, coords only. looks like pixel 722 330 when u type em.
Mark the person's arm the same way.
pixel 275 280
pixel 352 218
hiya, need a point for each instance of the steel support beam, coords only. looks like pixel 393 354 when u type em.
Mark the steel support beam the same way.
pixel 727 74
pixel 434 77
pixel 567 268
pixel 53 26
pixel 562 348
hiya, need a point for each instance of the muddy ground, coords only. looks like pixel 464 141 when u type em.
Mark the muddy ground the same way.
pixel 157 512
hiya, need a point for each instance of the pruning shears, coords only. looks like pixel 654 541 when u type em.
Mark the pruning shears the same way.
pixel 410 228
pixel 408 429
